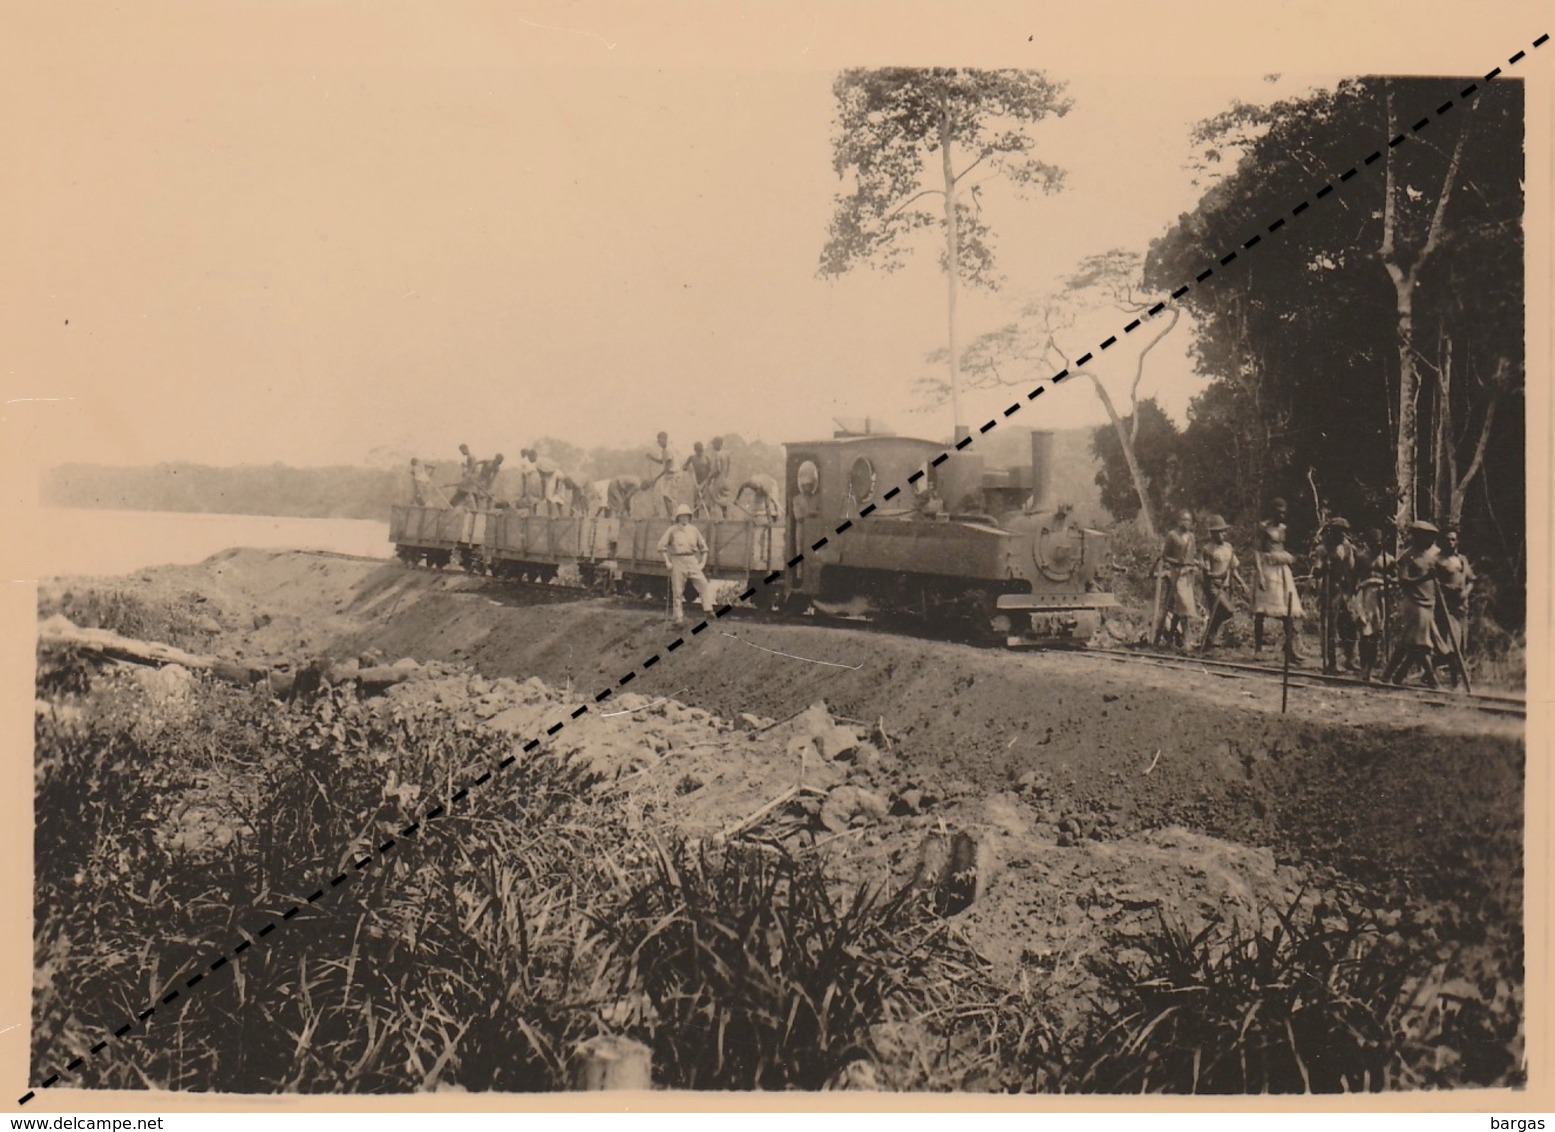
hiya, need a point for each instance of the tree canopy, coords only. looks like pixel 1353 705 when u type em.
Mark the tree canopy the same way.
pixel 1410 272
pixel 890 123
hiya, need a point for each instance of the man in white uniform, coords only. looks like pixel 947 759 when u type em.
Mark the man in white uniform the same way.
pixel 685 554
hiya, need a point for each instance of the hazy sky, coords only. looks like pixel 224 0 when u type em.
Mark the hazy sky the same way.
pixel 304 231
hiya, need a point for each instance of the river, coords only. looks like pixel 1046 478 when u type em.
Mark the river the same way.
pixel 71 540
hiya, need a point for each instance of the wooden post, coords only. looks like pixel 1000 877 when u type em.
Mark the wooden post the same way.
pixel 1285 670
pixel 609 1063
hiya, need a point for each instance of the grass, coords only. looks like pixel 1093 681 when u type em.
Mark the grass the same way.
pixel 484 953
pixel 490 946
pixel 1324 1001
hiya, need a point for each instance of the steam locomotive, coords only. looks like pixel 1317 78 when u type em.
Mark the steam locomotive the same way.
pixel 881 527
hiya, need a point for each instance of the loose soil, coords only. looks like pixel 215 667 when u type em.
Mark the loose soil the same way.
pixel 1103 797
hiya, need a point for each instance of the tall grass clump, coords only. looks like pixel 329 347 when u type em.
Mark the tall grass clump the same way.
pixel 755 970
pixel 481 952
pixel 1324 1001
pixel 462 959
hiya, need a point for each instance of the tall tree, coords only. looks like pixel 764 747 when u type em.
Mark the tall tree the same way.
pixel 1008 355
pixel 901 133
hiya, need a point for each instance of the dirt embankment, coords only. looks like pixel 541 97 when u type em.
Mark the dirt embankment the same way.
pixel 1427 802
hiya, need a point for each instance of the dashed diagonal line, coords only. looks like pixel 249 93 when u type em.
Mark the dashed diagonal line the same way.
pixel 179 993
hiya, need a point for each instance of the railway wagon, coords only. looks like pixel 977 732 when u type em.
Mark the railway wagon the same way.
pixel 603 552
pixel 942 539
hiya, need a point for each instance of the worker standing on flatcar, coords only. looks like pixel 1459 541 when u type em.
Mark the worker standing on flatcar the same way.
pixel 685 556
pixel 422 485
pixel 700 465
pixel 666 475
pixel 486 480
pixel 718 482
pixel 469 479
pixel 548 470
pixel 613 497
pixel 764 498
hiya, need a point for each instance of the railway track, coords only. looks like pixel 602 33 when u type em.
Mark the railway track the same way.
pixel 522 591
pixel 1494 703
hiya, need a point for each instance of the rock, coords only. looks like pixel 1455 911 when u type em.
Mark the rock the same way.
pixel 405 663
pixel 261 620
pixel 208 625
pixel 848 805
pixel 909 802
pixel 238 671
pixel 688 784
pixel 871 805
pixel 801 750
pixel 343 672
pixel 513 720
pixel 867 757
pixel 949 871
pixel 857 1076
pixel 836 742
pixel 169 688
pixel 745 721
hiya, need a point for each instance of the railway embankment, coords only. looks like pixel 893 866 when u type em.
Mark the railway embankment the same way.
pixel 1099 802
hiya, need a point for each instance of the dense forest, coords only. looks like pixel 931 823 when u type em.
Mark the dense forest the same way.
pixel 1367 360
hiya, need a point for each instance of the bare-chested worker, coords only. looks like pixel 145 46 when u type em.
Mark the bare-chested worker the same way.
pixel 764 498
pixel 666 478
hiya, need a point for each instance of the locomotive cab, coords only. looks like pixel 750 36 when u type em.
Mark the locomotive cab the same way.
pixel 939 537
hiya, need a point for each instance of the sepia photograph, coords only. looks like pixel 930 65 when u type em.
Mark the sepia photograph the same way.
pixel 801 560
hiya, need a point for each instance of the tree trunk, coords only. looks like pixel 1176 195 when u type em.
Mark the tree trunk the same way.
pixel 1136 473
pixel 1406 452
pixel 1460 487
pixel 1444 458
pixel 953 270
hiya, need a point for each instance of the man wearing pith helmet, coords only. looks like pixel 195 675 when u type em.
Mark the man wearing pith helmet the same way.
pixel 685 556
pixel 1221 573
pixel 1421 639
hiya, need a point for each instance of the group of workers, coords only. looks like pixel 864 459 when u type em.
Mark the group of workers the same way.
pixel 1353 580
pixel 549 490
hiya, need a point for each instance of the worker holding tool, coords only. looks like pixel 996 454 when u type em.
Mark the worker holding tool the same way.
pixel 1455 581
pixel 1336 572
pixel 1177 564
pixel 1222 575
pixel 1420 639
pixel 1369 606
pixel 1276 583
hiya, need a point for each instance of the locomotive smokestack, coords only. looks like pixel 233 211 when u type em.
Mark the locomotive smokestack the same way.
pixel 1041 470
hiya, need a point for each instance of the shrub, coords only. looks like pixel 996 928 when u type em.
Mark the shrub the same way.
pixel 1302 1007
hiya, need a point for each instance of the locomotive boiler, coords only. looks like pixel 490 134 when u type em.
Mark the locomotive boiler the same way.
pixel 942 538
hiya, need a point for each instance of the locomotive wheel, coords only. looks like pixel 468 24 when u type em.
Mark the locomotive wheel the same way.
pixel 982 619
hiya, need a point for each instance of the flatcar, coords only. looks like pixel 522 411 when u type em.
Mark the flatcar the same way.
pixel 936 539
